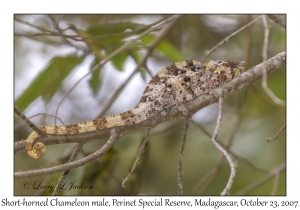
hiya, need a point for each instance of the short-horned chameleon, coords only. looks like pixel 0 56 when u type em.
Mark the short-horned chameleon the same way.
pixel 170 87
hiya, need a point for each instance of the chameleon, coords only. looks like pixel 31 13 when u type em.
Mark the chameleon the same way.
pixel 172 86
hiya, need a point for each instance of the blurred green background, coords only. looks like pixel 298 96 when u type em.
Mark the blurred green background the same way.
pixel 47 66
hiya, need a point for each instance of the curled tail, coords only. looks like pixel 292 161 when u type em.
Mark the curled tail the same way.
pixel 130 117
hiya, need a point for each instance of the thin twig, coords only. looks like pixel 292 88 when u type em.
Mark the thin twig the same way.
pixel 216 170
pixel 207 180
pixel 277 170
pixel 208 134
pixel 50 34
pixel 203 180
pixel 64 38
pixel 276 136
pixel 275 185
pixel 110 56
pixel 249 36
pixel 218 146
pixel 114 135
pixel 264 55
pixel 55 22
pixel 137 158
pixel 32 25
pixel 186 128
pixel 50 115
pixel 278 20
pixel 33 126
pixel 65 173
pixel 231 35
pixel 46 32
pixel 243 159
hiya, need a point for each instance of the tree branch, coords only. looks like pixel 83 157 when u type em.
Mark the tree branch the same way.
pixel 186 128
pixel 276 136
pixel 48 115
pixel 222 150
pixel 114 134
pixel 137 158
pixel 33 126
pixel 231 35
pixel 167 114
pixel 264 55
pixel 65 173
pixel 278 20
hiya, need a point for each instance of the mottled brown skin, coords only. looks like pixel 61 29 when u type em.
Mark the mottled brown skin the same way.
pixel 172 86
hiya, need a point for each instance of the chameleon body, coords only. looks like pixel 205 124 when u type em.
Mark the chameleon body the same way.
pixel 170 87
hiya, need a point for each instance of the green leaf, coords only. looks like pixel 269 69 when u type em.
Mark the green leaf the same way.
pixel 136 55
pixel 95 81
pixel 119 60
pixel 164 47
pixel 143 73
pixel 94 47
pixel 148 39
pixel 170 51
pixel 115 38
pixel 110 28
pixel 113 31
pixel 49 80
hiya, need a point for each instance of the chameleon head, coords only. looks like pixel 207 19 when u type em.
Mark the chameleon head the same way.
pixel 38 149
pixel 226 69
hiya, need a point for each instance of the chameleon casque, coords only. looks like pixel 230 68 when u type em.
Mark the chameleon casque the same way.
pixel 170 87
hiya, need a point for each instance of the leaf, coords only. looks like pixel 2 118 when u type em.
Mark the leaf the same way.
pixel 143 73
pixel 49 80
pixel 136 55
pixel 169 51
pixel 164 47
pixel 148 39
pixel 95 81
pixel 114 39
pixel 91 44
pixel 113 30
pixel 119 60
